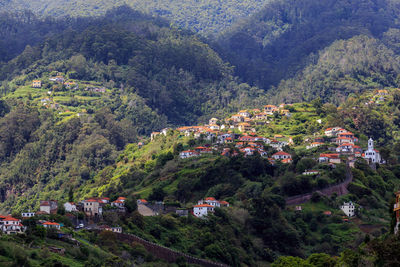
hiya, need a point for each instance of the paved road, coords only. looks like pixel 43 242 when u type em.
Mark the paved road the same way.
pixel 339 189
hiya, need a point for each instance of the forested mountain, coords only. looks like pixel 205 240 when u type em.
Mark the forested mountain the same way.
pixel 286 35
pixel 346 67
pixel 177 73
pixel 155 77
pixel 205 16
pixel 109 79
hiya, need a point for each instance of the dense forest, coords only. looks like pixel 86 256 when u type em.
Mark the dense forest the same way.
pixel 346 67
pixel 207 17
pixel 286 36
pixel 177 74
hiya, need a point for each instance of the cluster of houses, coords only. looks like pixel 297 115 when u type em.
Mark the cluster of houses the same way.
pixel 346 148
pixel 226 142
pixel 57 79
pixel 92 207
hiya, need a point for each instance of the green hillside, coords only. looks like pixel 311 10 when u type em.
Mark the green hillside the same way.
pixel 286 36
pixel 176 73
pixel 346 67
pixel 77 160
pixel 207 17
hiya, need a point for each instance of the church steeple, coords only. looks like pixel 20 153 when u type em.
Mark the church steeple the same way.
pixel 370 144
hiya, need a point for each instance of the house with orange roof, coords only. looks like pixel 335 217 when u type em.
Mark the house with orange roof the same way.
pixel 348 148
pixel 244 127
pixel 213 121
pixel 270 109
pixel 37 84
pixel 119 202
pixel 329 158
pixel 142 201
pixel 333 131
pixel 10 225
pixel 244 113
pixel 48 206
pixel 210 201
pixel 93 207
pixel 51 225
pixel 283 156
pixel 224 203
pixel 237 118
pixel 261 116
pixel 382 93
pixel 342 137
pixel 248 151
pixel 247 138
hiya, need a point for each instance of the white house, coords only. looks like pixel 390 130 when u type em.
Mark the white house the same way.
pixel 117 229
pixel 120 202
pixel 48 206
pixel 10 225
pixel 213 121
pixel 372 154
pixel 210 201
pixel 188 154
pixel 244 113
pixel 27 214
pixel 70 207
pixel 349 209
pixel 315 144
pixel 310 172
pixel 202 210
pixel 214 127
pixel 281 155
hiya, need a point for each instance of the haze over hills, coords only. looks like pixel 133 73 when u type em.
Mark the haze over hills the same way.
pixel 205 16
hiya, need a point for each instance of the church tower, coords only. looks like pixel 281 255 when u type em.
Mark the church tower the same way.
pixel 370 144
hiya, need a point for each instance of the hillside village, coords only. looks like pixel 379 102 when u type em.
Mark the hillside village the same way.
pixel 237 134
pixel 274 133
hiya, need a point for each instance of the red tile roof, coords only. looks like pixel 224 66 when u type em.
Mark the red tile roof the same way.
pixel 50 223
pixel 210 198
pixel 329 155
pixel 9 218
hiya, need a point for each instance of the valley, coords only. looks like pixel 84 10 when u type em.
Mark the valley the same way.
pixel 253 133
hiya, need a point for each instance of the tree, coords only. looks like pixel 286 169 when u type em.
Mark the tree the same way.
pixel 289 261
pixel 157 194
pixel 131 203
pixel 298 140
pixel 71 195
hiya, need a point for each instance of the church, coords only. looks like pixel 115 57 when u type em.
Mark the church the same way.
pixel 372 154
